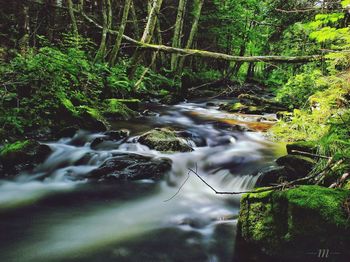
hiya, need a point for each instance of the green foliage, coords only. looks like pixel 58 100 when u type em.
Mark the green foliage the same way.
pixel 298 89
pixel 301 217
pixel 14 147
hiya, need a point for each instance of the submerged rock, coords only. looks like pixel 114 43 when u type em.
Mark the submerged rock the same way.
pixel 22 155
pixel 130 166
pixel 163 139
pixel 287 225
pixel 110 136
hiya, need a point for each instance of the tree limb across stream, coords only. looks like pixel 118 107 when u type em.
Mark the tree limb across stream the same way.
pixel 209 54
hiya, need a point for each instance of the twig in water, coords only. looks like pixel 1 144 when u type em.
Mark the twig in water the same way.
pixel 178 191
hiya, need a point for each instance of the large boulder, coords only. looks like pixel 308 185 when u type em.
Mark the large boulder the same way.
pixel 166 140
pixel 129 166
pixel 294 224
pixel 22 155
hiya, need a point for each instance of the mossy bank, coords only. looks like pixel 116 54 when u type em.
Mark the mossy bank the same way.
pixel 293 223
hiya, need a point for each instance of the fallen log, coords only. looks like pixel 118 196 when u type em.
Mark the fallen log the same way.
pixel 209 54
pixel 221 56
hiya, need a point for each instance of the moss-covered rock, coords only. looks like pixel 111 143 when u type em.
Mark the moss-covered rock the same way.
pixel 116 109
pixel 165 140
pixel 22 155
pixel 92 119
pixel 295 222
pixel 296 165
pixel 303 146
pixel 133 104
pixel 83 116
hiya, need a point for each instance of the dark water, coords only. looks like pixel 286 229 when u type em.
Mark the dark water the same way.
pixel 56 214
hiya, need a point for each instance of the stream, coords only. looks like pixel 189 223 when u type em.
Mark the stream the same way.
pixel 56 214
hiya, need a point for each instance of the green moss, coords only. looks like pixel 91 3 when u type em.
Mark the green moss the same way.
pixel 14 147
pixel 114 107
pixel 237 106
pixel 327 203
pixel 91 111
pixel 302 218
pixel 164 140
pixel 68 105
pixel 347 185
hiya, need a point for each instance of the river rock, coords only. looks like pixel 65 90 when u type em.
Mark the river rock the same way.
pixel 23 155
pixel 288 225
pixel 270 176
pixel 109 138
pixel 129 166
pixel 69 131
pixel 166 140
pixel 296 165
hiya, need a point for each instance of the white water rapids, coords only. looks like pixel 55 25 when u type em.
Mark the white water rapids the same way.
pixel 55 214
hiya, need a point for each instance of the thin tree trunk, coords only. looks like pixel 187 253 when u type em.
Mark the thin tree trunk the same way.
pixel 160 41
pixel 134 21
pixel 178 32
pixel 23 42
pixel 107 22
pixel 72 16
pixel 121 30
pixel 147 35
pixel 197 13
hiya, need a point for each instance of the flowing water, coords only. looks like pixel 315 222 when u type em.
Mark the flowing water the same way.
pixel 55 214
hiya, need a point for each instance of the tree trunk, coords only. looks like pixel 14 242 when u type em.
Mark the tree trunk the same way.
pixel 147 35
pixel 107 22
pixel 178 32
pixel 197 13
pixel 23 42
pixel 72 16
pixel 134 21
pixel 121 30
pixel 160 41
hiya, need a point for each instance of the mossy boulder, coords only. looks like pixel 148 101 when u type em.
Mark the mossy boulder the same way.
pixel 297 166
pixel 92 119
pixel 302 146
pixel 85 117
pixel 116 109
pixel 166 140
pixel 292 223
pixel 22 155
pixel 133 104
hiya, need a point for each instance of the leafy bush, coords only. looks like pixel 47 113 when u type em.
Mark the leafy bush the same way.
pixel 300 87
